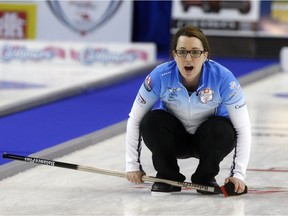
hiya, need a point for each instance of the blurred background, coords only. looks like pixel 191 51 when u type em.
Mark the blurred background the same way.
pixel 248 28
pixel 70 68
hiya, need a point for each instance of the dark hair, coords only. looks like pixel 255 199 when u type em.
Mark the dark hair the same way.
pixel 190 31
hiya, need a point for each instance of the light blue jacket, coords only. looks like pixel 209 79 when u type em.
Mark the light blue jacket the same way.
pixel 218 93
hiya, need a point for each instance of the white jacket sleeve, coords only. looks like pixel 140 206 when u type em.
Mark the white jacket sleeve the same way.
pixel 142 104
pixel 133 142
pixel 240 119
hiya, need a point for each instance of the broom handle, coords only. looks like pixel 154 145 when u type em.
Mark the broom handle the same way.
pixel 109 172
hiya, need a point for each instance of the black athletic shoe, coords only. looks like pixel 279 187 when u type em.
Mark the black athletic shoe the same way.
pixel 159 188
pixel 211 183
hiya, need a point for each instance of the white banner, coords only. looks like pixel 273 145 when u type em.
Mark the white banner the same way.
pixel 69 20
pixel 78 54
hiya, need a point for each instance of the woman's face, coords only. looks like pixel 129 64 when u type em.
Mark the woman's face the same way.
pixel 189 66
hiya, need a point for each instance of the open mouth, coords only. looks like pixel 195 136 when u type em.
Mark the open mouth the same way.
pixel 188 68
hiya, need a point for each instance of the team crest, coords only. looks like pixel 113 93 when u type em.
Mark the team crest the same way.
pixel 205 95
pixel 84 16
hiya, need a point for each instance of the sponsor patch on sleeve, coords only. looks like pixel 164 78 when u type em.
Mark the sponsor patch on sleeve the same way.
pixel 233 85
pixel 147 83
pixel 140 99
pixel 238 106
pixel 235 89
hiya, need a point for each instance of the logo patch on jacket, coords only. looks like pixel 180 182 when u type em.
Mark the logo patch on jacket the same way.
pixel 140 99
pixel 233 85
pixel 173 89
pixel 147 83
pixel 205 95
pixel 173 93
pixel 241 105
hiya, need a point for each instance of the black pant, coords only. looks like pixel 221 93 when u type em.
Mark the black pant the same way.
pixel 168 141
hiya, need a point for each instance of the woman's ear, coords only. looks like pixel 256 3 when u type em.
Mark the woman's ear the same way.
pixel 206 54
pixel 173 53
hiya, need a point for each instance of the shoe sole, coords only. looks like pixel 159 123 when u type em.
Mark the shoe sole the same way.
pixel 158 193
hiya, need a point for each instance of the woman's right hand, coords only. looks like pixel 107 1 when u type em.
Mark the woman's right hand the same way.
pixel 135 176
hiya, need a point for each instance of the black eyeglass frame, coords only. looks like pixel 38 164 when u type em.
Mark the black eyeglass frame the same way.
pixel 200 52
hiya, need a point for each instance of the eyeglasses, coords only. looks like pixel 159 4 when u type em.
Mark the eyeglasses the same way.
pixel 193 53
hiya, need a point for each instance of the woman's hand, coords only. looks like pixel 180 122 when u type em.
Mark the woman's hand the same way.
pixel 239 185
pixel 135 176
